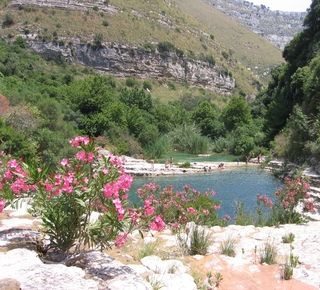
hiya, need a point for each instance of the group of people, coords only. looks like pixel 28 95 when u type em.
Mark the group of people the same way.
pixel 248 158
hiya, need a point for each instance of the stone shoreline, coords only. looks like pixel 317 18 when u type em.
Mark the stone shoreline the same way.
pixel 140 167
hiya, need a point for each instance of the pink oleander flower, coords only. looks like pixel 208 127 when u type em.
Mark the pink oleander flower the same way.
pixel 205 211
pixel 13 164
pixel 111 189
pixel 149 210
pixel 121 239
pixel 125 182
pixel 175 225
pixel 157 224
pixel 82 156
pixel 90 157
pixel 79 140
pixel 119 208
pixel 64 162
pixel 2 204
pixel 47 186
pixel 8 175
pixel 216 207
pixel 191 210
pixel 115 160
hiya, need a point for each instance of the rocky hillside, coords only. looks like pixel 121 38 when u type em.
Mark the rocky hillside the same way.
pixel 278 27
pixel 114 37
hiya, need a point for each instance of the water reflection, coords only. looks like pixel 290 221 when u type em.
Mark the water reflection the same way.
pixel 239 184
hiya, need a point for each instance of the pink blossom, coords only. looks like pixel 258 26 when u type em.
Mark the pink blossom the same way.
pixel 111 189
pixel 147 203
pixel 125 182
pixel 19 186
pixel 82 156
pixel 115 160
pixel 157 224
pixel 48 186
pixel 149 210
pixel 105 171
pixel 216 207
pixel 175 225
pixel 205 211
pixel 79 140
pixel 90 157
pixel 58 179
pixel 64 162
pixel 13 164
pixel 2 204
pixel 191 210
pixel 8 174
pixel 119 208
pixel 121 239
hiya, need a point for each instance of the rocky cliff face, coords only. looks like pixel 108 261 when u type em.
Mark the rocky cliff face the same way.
pixel 278 27
pixel 125 61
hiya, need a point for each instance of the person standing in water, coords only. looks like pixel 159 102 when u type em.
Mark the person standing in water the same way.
pixel 171 161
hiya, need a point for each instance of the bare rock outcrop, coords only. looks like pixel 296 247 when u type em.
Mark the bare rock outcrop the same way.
pixel 125 61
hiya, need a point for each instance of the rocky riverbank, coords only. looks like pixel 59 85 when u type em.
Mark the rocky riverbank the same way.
pixel 118 269
pixel 141 167
pixel 167 266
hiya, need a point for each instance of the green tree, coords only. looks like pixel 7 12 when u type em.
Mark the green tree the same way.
pixel 14 143
pixel 206 116
pixel 164 117
pixel 236 113
pixel 137 97
pixel 148 136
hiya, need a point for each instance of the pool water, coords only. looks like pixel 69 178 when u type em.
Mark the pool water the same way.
pixel 239 184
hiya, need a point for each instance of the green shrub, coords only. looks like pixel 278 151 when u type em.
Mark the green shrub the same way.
pixel 288 239
pixel 185 165
pixel 287 271
pixel 131 82
pixel 8 19
pixel 171 86
pixel 147 85
pixel 147 47
pixel 165 46
pixel 225 54
pixel 105 23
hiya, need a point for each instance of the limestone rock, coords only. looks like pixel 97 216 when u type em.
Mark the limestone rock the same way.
pixel 9 284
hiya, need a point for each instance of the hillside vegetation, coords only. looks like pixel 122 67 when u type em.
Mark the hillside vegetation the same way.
pixel 43 104
pixel 141 22
pixel 292 97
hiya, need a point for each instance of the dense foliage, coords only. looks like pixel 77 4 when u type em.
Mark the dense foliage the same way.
pixel 44 104
pixel 290 104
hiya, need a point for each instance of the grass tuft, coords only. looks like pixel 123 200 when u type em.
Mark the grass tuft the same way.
pixel 228 246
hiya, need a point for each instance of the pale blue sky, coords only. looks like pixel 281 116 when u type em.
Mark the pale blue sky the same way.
pixel 285 5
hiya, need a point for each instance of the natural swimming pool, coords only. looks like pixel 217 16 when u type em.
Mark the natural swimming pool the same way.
pixel 238 184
